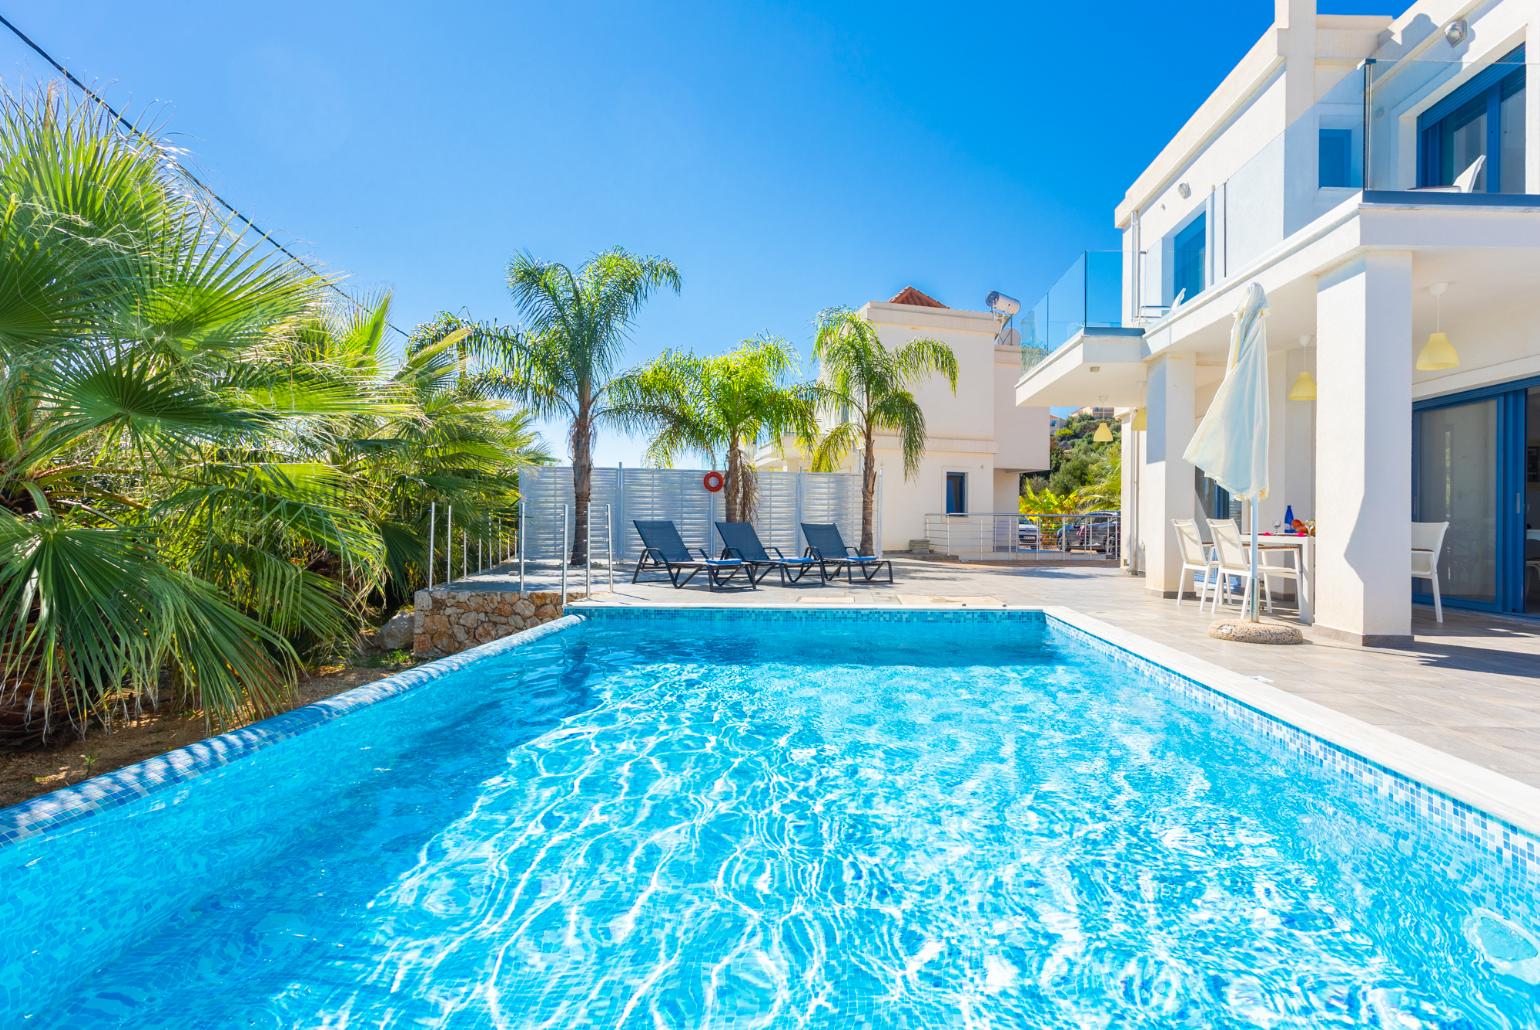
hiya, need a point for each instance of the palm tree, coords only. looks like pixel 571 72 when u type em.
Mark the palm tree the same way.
pixel 561 361
pixel 719 406
pixel 864 388
pixel 206 471
pixel 153 515
pixel 446 437
pixel 1105 488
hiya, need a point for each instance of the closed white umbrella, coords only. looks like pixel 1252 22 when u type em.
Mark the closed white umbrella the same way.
pixel 1230 444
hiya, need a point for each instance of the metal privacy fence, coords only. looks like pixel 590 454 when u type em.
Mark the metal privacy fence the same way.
pixel 785 500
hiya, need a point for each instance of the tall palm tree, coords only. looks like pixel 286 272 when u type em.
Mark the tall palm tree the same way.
pixel 575 326
pixel 718 406
pixel 864 390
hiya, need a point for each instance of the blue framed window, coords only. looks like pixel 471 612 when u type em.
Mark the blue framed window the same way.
pixel 1335 167
pixel 1484 118
pixel 956 493
pixel 1189 258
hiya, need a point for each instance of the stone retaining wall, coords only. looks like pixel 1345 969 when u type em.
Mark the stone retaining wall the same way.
pixel 448 621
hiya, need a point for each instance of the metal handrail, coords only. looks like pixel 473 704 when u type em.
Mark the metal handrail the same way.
pixel 1013 536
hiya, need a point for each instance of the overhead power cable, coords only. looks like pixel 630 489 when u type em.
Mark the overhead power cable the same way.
pixel 191 177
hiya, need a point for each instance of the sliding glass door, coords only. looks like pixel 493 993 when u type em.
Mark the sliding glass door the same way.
pixel 1455 481
pixel 1473 457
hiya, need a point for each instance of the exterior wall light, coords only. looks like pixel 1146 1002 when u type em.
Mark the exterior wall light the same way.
pixel 1438 353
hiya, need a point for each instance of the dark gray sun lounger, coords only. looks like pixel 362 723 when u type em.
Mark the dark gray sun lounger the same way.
pixel 739 540
pixel 828 548
pixel 663 549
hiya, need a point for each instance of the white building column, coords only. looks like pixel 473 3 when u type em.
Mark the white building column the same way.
pixel 1131 448
pixel 1363 495
pixel 1166 480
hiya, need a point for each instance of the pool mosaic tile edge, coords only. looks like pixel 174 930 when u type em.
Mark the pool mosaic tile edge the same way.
pixel 1494 812
pixel 120 786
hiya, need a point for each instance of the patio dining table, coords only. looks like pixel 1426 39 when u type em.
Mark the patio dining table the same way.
pixel 1302 547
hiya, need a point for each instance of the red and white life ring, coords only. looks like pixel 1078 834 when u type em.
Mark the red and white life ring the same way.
pixel 714 481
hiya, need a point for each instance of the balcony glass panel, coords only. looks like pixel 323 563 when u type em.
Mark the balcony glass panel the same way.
pixel 1088 295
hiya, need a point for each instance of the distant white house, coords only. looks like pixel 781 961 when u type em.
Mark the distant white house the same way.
pixel 979 441
pixel 1379 177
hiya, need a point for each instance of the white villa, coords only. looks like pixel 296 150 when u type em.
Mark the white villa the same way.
pixel 979 440
pixel 1379 177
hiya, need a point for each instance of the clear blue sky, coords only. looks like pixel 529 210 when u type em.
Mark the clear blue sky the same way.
pixel 787 157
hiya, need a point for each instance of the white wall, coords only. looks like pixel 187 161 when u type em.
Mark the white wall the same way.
pixel 1020 434
pixel 906 502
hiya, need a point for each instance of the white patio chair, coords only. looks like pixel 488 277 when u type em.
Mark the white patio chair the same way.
pixel 1465 182
pixel 1427 545
pixel 1195 560
pixel 1235 561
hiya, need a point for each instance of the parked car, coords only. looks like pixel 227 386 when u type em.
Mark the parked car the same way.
pixel 1098 531
pixel 1027 534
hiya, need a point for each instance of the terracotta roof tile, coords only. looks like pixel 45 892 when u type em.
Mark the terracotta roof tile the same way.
pixel 913 297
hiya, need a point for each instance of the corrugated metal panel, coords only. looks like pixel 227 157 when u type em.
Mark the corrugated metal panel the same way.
pixel 785 499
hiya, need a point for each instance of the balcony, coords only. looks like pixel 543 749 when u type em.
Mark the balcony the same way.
pixel 1404 133
pixel 1088 296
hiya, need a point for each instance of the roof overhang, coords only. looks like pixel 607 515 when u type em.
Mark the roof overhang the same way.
pixel 1096 366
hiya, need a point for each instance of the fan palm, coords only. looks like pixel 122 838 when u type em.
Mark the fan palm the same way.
pixel 864 390
pixel 147 523
pixel 575 326
pixel 455 443
pixel 718 406
pixel 204 470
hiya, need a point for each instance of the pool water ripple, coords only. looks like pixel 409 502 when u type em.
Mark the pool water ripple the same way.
pixel 971 826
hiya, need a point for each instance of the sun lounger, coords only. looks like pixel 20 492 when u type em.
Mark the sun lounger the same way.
pixel 828 548
pixel 739 540
pixel 663 549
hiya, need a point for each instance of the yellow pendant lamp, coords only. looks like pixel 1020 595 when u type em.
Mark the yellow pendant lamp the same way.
pixel 1304 385
pixel 1141 421
pixel 1103 433
pixel 1438 353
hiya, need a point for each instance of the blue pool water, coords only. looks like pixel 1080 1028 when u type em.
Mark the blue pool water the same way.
pixel 671 821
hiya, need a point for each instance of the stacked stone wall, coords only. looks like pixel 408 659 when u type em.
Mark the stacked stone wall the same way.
pixel 448 621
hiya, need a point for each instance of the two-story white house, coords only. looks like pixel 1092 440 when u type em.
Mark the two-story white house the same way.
pixel 979 442
pixel 1379 177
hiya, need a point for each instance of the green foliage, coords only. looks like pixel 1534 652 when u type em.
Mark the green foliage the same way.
pixel 864 389
pixel 720 406
pixel 1077 462
pixel 562 359
pixel 205 471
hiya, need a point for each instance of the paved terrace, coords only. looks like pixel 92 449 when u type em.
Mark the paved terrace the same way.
pixel 1469 688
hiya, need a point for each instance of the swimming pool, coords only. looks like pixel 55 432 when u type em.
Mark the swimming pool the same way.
pixel 722 817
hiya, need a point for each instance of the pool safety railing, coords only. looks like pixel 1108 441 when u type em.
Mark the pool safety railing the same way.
pixel 1010 536
pixel 485 545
